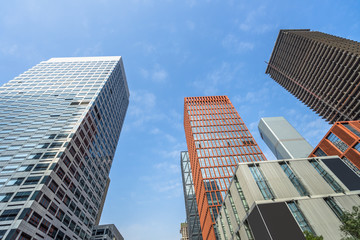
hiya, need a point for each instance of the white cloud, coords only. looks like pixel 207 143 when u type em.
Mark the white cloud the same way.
pixel 94 50
pixel 157 74
pixel 257 21
pixel 222 75
pixel 9 50
pixel 233 44
pixel 146 48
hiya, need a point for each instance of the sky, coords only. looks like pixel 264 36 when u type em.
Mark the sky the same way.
pixel 171 50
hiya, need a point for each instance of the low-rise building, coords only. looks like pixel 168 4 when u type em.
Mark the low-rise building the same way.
pixel 281 199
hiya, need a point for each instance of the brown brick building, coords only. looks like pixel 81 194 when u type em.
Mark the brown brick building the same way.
pixel 321 70
pixel 343 140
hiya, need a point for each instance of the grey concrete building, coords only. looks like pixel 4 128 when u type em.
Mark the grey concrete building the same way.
pixel 184 231
pixel 319 69
pixel 192 214
pixel 106 232
pixel 60 123
pixel 281 199
pixel 283 139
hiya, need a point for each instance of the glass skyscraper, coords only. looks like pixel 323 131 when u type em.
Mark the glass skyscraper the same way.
pixel 217 140
pixel 60 123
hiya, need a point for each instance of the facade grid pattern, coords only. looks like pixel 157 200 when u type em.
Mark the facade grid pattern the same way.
pixel 217 141
pixel 341 140
pixel 59 126
pixel 320 70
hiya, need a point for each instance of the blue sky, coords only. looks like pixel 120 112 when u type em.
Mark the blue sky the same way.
pixel 171 49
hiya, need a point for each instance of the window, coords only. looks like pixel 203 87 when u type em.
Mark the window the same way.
pixel 53 186
pixel 49 155
pixel 25 168
pixel 241 194
pixel 9 214
pixel 234 208
pixel 4 197
pixel 319 152
pixel 35 219
pixel 294 179
pixel 357 147
pixel 337 142
pixel 21 196
pixel 299 217
pixel 45 201
pixel 44 226
pixel 10 168
pixel 334 207
pixel 248 231
pixel 3 181
pixel 228 220
pixel 41 167
pixel 223 227
pixel 352 129
pixel 52 232
pixel 261 182
pixel 15 182
pixel 327 177
pixel 53 208
pixel 32 180
pixel 351 165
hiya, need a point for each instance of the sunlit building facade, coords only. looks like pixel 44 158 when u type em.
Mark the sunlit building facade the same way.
pixel 217 140
pixel 60 122
pixel 343 140
pixel 319 69
pixel 281 199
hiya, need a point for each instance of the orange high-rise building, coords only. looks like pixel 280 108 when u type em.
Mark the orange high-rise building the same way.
pixel 217 140
pixel 343 140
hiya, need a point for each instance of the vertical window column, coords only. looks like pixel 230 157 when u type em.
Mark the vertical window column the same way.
pixel 299 217
pixel 327 177
pixel 294 179
pixel 261 182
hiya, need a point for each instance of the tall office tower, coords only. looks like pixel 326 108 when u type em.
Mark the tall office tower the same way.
pixel 319 69
pixel 60 123
pixel 283 139
pixel 217 140
pixel 192 214
pixel 343 140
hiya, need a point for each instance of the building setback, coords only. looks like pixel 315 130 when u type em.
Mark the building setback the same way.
pixel 60 123
pixel 320 70
pixel 283 139
pixel 217 140
pixel 106 232
pixel 281 199
pixel 343 140
pixel 192 214
pixel 184 231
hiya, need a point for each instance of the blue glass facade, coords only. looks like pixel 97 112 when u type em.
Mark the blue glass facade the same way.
pixel 60 123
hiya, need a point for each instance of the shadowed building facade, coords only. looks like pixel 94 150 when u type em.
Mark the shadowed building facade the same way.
pixel 343 140
pixel 192 215
pixel 320 70
pixel 60 122
pixel 217 140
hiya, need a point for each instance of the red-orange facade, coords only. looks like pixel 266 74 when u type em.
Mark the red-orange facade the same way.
pixel 217 140
pixel 343 140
